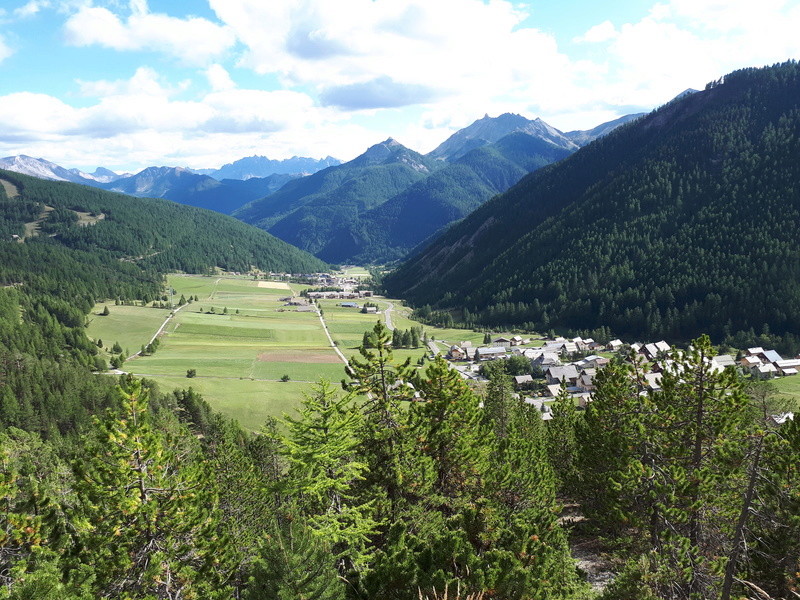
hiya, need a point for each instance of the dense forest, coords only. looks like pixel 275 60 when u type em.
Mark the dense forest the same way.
pixel 681 222
pixel 154 233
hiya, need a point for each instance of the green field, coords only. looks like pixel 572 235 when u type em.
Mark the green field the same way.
pixel 131 326
pixel 360 272
pixel 789 387
pixel 241 339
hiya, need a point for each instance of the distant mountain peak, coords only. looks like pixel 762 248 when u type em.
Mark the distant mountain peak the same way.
pixel 389 150
pixel 489 130
pixel 40 168
pixel 261 166
pixel 583 137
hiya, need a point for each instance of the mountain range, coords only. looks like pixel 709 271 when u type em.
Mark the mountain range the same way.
pixel 373 209
pixel 261 166
pixel 681 222
pixel 382 204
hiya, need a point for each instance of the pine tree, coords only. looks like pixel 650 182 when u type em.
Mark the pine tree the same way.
pixel 150 494
pixel 385 386
pixel 414 337
pixel 322 453
pixel 293 564
pixel 561 441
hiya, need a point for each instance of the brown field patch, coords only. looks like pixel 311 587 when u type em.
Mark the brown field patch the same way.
pixel 300 356
pixel 275 285
pixel 10 188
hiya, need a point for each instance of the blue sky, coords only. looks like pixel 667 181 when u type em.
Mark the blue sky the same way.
pixel 132 83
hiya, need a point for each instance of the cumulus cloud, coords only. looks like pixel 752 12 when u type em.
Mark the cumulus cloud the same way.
pixel 193 40
pixel 141 121
pixel 381 92
pixel 686 43
pixel 219 78
pixel 369 46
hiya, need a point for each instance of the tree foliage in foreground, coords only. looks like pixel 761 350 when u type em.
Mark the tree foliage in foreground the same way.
pixel 690 482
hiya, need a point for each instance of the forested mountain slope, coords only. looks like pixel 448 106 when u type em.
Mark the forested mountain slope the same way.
pixel 392 229
pixel 150 232
pixel 681 222
pixel 304 212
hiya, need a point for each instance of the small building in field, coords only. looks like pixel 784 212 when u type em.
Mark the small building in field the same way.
pixel 788 367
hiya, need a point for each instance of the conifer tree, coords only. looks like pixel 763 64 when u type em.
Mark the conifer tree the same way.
pixel 321 450
pixel 293 563
pixel 385 386
pixel 147 492
pixel 561 441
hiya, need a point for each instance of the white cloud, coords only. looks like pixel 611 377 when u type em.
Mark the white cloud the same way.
pixel 29 115
pixel 384 45
pixel 687 43
pixel 603 32
pixel 219 79
pixel 144 81
pixel 141 121
pixel 194 41
pixel 31 8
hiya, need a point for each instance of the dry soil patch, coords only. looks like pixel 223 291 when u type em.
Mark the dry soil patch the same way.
pixel 299 356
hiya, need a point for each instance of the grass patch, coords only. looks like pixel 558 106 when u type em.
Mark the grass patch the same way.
pixel 131 326
pixel 249 402
pixel 240 357
pixel 789 388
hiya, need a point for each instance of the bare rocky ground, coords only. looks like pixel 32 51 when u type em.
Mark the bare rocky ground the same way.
pixel 586 549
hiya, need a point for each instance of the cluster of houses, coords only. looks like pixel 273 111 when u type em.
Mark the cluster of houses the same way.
pixel 340 295
pixel 299 303
pixel 765 364
pixel 574 364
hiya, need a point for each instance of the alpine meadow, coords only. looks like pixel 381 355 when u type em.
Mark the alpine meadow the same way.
pixel 249 351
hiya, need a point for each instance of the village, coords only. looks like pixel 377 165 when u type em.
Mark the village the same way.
pixel 574 363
